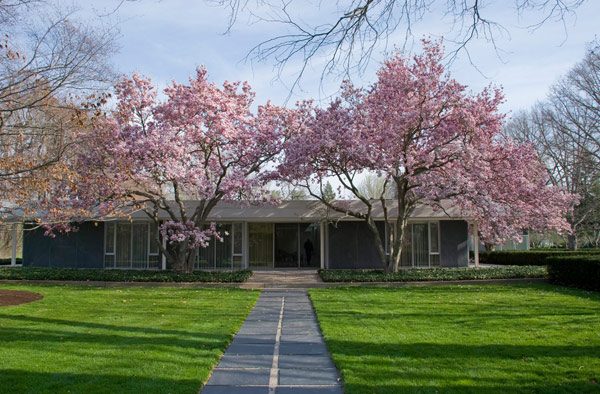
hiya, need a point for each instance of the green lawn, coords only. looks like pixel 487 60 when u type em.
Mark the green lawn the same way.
pixel 138 340
pixel 490 339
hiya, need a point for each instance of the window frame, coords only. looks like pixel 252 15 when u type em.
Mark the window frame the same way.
pixel 115 225
pixel 233 254
pixel 429 252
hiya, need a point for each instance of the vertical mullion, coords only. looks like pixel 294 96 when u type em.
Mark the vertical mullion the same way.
pixel 148 246
pixel 215 250
pixel 429 244
pixel 130 244
pixel 115 245
pixel 412 246
pixel 439 239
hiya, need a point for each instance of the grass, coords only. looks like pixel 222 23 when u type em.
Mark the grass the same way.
pixel 136 340
pixel 469 338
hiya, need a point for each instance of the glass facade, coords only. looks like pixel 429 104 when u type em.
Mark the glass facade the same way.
pixel 225 253
pixel 284 245
pixel 260 245
pixel 421 246
pixel 131 245
pixel 310 245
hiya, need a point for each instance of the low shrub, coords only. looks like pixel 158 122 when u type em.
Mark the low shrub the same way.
pixel 529 257
pixel 433 274
pixel 108 275
pixel 8 261
pixel 576 271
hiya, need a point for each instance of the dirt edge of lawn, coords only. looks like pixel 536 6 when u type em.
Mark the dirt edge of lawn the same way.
pixel 18 297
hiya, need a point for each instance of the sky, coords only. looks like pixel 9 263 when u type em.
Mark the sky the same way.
pixel 167 39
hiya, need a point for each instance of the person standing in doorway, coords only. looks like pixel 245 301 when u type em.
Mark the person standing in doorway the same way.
pixel 308 250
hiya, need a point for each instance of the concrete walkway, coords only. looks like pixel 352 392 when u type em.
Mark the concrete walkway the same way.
pixel 272 279
pixel 279 349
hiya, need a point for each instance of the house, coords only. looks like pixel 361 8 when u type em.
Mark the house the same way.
pixel 291 234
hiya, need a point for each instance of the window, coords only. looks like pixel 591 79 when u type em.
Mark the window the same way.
pixel 238 245
pixel 260 245
pixel 434 244
pixel 131 245
pixel 225 254
pixel 421 245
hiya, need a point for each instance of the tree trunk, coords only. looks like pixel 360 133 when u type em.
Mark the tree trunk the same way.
pixel 180 258
pixel 399 228
pixel 572 241
pixel 379 244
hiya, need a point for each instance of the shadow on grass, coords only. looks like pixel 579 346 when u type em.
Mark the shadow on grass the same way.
pixel 20 381
pixel 456 351
pixel 81 324
pixel 575 388
pixel 198 341
pixel 425 367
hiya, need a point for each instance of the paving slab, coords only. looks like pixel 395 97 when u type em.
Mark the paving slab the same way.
pixel 309 390
pixel 304 377
pixel 279 349
pixel 240 377
pixel 214 389
pixel 238 361
pixel 305 361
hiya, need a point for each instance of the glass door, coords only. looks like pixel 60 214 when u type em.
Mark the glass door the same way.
pixel 421 245
pixel 260 244
pixel 286 245
pixel 310 246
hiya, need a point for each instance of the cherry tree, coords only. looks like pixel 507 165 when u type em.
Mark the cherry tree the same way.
pixel 431 141
pixel 202 143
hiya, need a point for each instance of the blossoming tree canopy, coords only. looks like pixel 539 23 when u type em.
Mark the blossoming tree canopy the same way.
pixel 431 140
pixel 203 143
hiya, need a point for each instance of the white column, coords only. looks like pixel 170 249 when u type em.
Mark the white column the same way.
pixel 476 243
pixel 322 243
pixel 14 239
pixel 245 248
pixel 164 258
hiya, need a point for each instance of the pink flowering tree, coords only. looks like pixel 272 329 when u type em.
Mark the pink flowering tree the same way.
pixel 431 141
pixel 203 142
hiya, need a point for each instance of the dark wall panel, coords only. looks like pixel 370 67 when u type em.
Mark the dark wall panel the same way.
pixel 80 249
pixel 454 246
pixel 351 245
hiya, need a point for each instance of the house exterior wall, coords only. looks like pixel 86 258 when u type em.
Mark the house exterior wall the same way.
pixel 80 249
pixel 348 245
pixel 454 235
pixel 351 246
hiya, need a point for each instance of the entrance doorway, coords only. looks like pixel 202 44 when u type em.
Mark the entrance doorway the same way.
pixel 284 245
pixel 297 245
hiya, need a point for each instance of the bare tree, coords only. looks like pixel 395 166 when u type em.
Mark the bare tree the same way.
pixel 565 129
pixel 53 73
pixel 348 40
pixel 575 102
pixel 375 187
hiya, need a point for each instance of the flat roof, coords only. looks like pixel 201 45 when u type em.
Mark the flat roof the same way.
pixel 304 211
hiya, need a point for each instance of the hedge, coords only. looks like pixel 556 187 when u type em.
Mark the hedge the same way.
pixel 576 271
pixel 27 273
pixel 529 257
pixel 8 261
pixel 433 274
